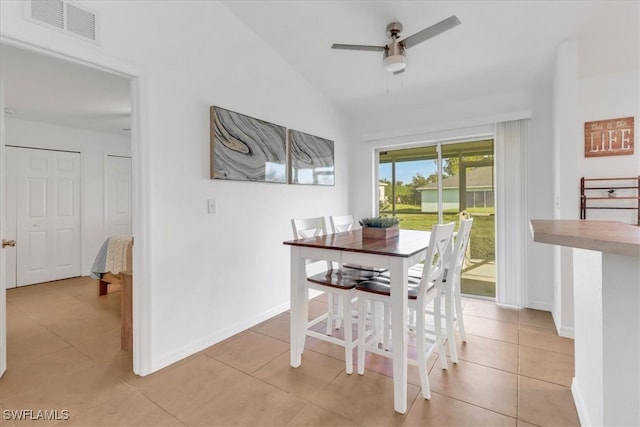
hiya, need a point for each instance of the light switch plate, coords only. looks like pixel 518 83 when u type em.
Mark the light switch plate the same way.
pixel 211 206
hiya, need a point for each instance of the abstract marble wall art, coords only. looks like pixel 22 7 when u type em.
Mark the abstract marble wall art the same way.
pixel 246 149
pixel 310 159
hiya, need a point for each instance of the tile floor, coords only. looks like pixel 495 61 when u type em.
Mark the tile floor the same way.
pixel 63 354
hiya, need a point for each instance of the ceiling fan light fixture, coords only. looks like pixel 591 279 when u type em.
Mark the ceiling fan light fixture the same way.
pixel 394 63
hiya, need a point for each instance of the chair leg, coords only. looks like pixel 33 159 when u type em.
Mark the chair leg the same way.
pixel 102 287
pixel 422 355
pixel 437 314
pixel 460 317
pixel 330 313
pixel 361 334
pixel 386 340
pixel 348 334
pixel 341 312
pixel 451 326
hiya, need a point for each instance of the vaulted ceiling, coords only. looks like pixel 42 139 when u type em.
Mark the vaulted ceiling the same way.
pixel 501 46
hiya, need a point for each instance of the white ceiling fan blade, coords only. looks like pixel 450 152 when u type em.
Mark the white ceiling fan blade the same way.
pixel 358 47
pixel 431 31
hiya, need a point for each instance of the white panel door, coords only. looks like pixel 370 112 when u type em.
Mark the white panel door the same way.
pixel 11 229
pixel 3 230
pixel 118 196
pixel 48 215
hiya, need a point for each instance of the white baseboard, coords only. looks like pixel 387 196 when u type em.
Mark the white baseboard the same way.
pixel 201 344
pixel 539 305
pixel 565 332
pixel 578 400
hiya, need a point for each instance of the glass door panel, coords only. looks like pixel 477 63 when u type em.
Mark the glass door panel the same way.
pixel 423 189
pixel 404 174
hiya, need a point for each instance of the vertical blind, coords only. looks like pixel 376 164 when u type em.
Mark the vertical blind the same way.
pixel 511 211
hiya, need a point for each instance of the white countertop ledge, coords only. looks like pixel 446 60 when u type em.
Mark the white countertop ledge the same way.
pixel 604 236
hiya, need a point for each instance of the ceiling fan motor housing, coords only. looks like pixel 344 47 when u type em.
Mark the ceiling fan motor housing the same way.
pixel 394 30
pixel 394 57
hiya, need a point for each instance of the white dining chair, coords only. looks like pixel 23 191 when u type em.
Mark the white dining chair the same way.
pixel 342 223
pixel 451 292
pixel 338 284
pixel 421 292
pixel 451 281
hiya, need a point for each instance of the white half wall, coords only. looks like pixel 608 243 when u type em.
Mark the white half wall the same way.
pixel 211 275
pixel 93 148
pixel 566 196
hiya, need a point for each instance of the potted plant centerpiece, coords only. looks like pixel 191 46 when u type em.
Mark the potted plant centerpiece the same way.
pixel 383 227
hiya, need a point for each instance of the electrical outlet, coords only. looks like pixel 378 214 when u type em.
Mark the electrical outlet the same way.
pixel 211 206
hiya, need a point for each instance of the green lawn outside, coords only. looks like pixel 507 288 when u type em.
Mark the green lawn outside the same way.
pixel 482 233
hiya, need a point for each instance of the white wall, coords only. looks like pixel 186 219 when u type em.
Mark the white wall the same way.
pixel 597 77
pixel 539 185
pixel 211 275
pixel 93 148
pixel 433 122
pixel 473 117
pixel 608 97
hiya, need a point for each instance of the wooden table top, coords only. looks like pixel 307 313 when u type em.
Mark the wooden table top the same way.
pixel 604 236
pixel 408 243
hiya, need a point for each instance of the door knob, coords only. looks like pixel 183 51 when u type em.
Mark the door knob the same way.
pixel 6 243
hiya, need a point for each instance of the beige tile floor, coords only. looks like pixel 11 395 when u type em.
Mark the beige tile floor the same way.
pixel 63 354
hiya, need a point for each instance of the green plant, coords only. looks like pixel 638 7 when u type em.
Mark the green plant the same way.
pixel 380 222
pixel 384 206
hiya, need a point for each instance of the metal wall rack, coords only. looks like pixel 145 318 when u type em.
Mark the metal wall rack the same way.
pixel 608 186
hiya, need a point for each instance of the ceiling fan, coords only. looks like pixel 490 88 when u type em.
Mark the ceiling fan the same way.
pixel 394 56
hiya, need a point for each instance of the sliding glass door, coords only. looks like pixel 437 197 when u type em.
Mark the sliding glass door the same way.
pixel 438 183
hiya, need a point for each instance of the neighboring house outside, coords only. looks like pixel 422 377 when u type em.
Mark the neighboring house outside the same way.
pixel 479 191
pixel 381 191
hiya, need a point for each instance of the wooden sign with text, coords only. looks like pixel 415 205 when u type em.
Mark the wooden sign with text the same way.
pixel 612 137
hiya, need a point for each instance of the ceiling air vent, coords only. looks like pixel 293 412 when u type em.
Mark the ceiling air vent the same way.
pixel 48 11
pixel 64 16
pixel 81 22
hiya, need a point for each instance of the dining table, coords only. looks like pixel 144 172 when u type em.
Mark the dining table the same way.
pixel 396 254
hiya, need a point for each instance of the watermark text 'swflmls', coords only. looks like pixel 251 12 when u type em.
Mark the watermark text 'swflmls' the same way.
pixel 36 414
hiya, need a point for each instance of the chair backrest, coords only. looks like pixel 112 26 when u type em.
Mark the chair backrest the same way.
pixel 437 256
pixel 459 251
pixel 340 223
pixel 308 227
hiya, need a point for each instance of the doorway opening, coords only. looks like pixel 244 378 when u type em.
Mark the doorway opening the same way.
pixel 438 183
pixel 86 111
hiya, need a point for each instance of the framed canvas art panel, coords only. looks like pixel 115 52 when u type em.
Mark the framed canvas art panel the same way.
pixel 244 148
pixel 311 159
